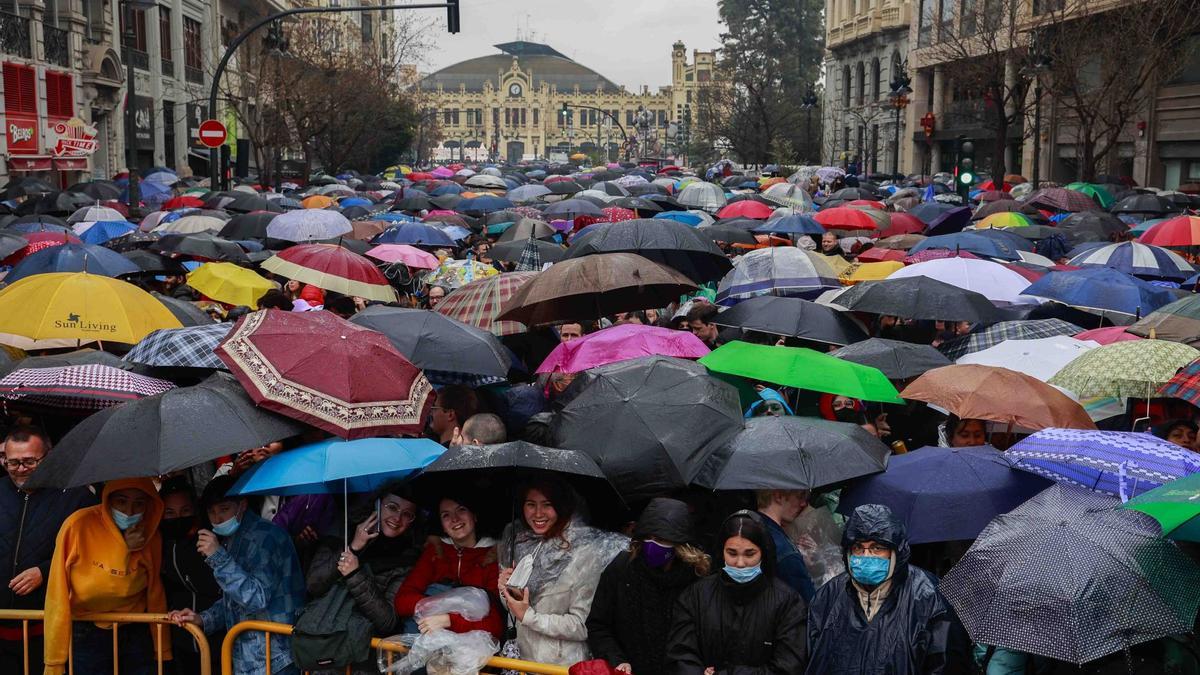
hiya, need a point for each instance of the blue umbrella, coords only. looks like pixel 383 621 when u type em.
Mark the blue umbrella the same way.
pixel 456 232
pixel 414 233
pixel 335 465
pixel 681 216
pixel 103 230
pixel 973 242
pixel 483 204
pixel 950 221
pixel 73 258
pixel 355 201
pixel 1008 237
pixel 791 224
pixel 446 189
pixel 394 217
pixel 1101 289
pixel 1120 463
pixel 1132 257
pixel 930 211
pixel 38 227
pixel 945 494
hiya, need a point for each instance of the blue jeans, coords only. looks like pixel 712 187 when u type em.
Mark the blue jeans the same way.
pixel 92 649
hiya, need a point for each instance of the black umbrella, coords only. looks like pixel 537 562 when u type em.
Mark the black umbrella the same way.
pixel 668 242
pixel 10 243
pixel 650 423
pixel 1070 576
pixel 515 455
pixel 160 434
pixel 1103 224
pixel 54 203
pixel 564 187
pixel 43 218
pixel 793 453
pixel 80 357
pixel 1145 204
pixel 444 348
pixel 527 228
pixel 637 204
pixel 647 190
pixel 793 317
pixel 201 245
pixel 417 202
pixel 510 251
pixel 897 360
pixel 134 241
pixel 726 234
pixel 154 263
pixel 241 202
pixel 852 193
pixel 247 226
pixel 187 313
pixel 918 298
pixel 24 187
pixel 611 188
pixel 447 201
pixel 97 189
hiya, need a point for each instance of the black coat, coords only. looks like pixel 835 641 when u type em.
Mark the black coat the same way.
pixel 756 628
pixel 187 579
pixel 632 610
pixel 29 524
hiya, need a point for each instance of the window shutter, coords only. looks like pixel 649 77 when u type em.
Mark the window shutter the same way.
pixel 60 95
pixel 20 89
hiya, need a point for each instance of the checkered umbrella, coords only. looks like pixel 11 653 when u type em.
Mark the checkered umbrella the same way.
pixel 85 388
pixel 1062 199
pixel 190 347
pixel 478 303
pixel 1133 369
pixel 531 259
pixel 1006 330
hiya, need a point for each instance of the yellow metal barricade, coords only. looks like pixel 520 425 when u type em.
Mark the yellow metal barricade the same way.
pixel 161 632
pixel 496 663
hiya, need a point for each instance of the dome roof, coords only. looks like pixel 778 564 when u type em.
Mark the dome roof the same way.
pixel 544 63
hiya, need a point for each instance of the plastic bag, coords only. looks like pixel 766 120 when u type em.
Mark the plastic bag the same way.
pixel 818 537
pixel 442 652
pixel 467 601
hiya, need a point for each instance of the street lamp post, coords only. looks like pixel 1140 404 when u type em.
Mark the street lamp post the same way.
pixel 899 98
pixel 808 103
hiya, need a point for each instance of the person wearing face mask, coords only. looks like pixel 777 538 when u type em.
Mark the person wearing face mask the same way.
pixel 188 580
pixel 107 558
pixel 744 619
pixel 883 614
pixel 635 600
pixel 255 564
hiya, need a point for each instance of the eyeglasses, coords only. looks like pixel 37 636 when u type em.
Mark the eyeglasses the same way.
pixel 394 509
pixel 874 549
pixel 27 463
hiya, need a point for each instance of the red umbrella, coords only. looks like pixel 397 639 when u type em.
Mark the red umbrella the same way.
pixel 1178 231
pixel 747 208
pixel 903 223
pixel 866 202
pixel 991 186
pixel 616 214
pixel 419 176
pixel 332 268
pixel 183 202
pixel 876 254
pixel 325 371
pixel 845 218
pixel 37 242
pixel 1030 272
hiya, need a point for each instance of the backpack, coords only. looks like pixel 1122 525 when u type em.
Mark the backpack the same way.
pixel 330 632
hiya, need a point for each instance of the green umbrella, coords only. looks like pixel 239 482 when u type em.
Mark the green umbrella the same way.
pixel 1175 505
pixel 1096 192
pixel 803 369
pixel 1133 369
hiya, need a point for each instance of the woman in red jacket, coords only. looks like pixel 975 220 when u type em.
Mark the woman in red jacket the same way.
pixel 461 558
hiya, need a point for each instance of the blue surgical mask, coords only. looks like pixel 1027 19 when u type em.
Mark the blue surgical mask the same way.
pixel 743 575
pixel 228 527
pixel 123 521
pixel 869 570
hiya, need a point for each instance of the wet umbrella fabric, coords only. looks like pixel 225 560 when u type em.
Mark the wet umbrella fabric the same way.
pixel 998 395
pixel 918 298
pixel 187 313
pixel 1101 289
pixel 793 453
pixel 793 317
pixel 664 241
pixel 78 357
pixel 801 368
pixel 995 334
pixel 1175 505
pixel 437 344
pixel 336 466
pixel 77 388
pixel 160 434
pixel 72 258
pixel 896 359
pixel 1068 576
pixel 189 347
pixel 945 494
pixel 621 343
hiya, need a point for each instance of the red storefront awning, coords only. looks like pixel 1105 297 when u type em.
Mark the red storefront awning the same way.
pixel 30 163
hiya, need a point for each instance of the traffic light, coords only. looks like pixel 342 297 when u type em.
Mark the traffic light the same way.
pixel 453 23
pixel 564 111
pixel 965 171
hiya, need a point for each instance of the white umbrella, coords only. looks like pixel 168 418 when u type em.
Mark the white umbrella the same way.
pixel 191 225
pixel 308 225
pixel 700 195
pixel 485 180
pixel 1035 259
pixel 993 280
pixel 1041 358
pixel 90 214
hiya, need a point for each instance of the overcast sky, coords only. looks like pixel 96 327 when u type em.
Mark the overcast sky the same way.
pixel 627 41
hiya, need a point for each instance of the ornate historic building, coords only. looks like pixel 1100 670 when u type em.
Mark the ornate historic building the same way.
pixel 510 106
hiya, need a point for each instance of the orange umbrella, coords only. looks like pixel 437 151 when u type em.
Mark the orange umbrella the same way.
pixel 317 202
pixel 998 395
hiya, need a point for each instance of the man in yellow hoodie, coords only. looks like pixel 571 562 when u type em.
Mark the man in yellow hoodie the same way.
pixel 107 559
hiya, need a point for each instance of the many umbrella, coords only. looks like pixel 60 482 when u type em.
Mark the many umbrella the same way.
pixel 332 268
pixel 1122 370
pixel 918 298
pixel 82 307
pixel 666 242
pixel 80 388
pixel 998 395
pixel 793 317
pixel 621 343
pixel 896 359
pixel 801 368
pixel 480 302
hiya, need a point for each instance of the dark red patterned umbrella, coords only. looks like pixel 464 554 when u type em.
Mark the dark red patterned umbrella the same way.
pixel 327 372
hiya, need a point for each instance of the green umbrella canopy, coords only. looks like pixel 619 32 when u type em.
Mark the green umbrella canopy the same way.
pixel 1175 505
pixel 1096 192
pixel 803 369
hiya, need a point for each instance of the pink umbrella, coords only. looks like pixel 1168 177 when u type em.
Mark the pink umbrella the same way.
pixel 441 172
pixel 1107 336
pixel 442 212
pixel 621 343
pixel 403 253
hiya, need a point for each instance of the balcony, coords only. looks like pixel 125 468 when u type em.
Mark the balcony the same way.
pixel 14 35
pixel 140 59
pixel 193 75
pixel 168 67
pixel 57 42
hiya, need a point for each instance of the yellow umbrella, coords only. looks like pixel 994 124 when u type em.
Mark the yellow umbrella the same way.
pixel 835 262
pixel 82 307
pixel 230 284
pixel 871 271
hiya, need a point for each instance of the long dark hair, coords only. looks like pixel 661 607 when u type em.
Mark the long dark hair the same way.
pixel 748 525
pixel 561 496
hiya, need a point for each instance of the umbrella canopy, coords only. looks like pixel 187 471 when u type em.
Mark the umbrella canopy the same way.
pixel 1175 505
pixel 1138 259
pixel 793 453
pixel 416 234
pixel 1144 204
pixel 918 298
pixel 72 258
pixel 594 286
pixel 846 218
pixel 510 251
pixel 160 434
pixel 191 225
pixel 1107 336
pixel 308 225
pixel 336 466
pixel 1184 385
pixel 650 423
pixel 442 347
pixel 896 359
pixel 78 357
pixel 332 268
pixel 793 317
pixel 621 343
pixel 410 256
pixel 229 283
pixel 775 270
pixel 102 231
pixel 248 225
pixel 77 388
pixel 479 302
pixel 1041 358
pixel 187 313
pixel 945 494
pixel 666 242
pixel 787 194
pixel 188 347
pixel 456 273
pixel 973 242
pixel 801 368
pixel 1068 576
pixel 204 246
pixel 1062 199
pixel 1178 231
pixel 998 395
pixel 702 195
pixel 1102 290
pixel 527 228
pixel 80 306
pixel 794 223
pixel 569 209
pixel 328 372
pixel 1122 370
pixel 991 280
pixel 1102 224
pixel 745 209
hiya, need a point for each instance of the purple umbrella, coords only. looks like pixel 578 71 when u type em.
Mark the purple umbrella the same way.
pixel 621 343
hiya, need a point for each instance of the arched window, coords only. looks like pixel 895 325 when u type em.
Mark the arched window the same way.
pixel 876 75
pixel 896 66
pixel 846 85
pixel 862 82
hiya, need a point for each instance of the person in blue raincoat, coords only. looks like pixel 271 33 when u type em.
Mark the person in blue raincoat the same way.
pixel 882 614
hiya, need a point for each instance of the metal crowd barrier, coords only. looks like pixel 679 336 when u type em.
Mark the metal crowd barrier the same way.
pixel 494 664
pixel 116 619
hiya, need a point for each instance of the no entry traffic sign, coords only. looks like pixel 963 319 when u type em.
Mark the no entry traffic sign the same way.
pixel 212 133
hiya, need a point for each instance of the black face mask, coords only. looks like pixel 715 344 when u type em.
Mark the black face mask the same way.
pixel 176 528
pixel 848 415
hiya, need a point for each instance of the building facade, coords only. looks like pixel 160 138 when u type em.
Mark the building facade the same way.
pixel 866 52
pixel 510 106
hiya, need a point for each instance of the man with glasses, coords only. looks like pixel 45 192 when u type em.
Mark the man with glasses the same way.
pixel 29 524
pixel 883 614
